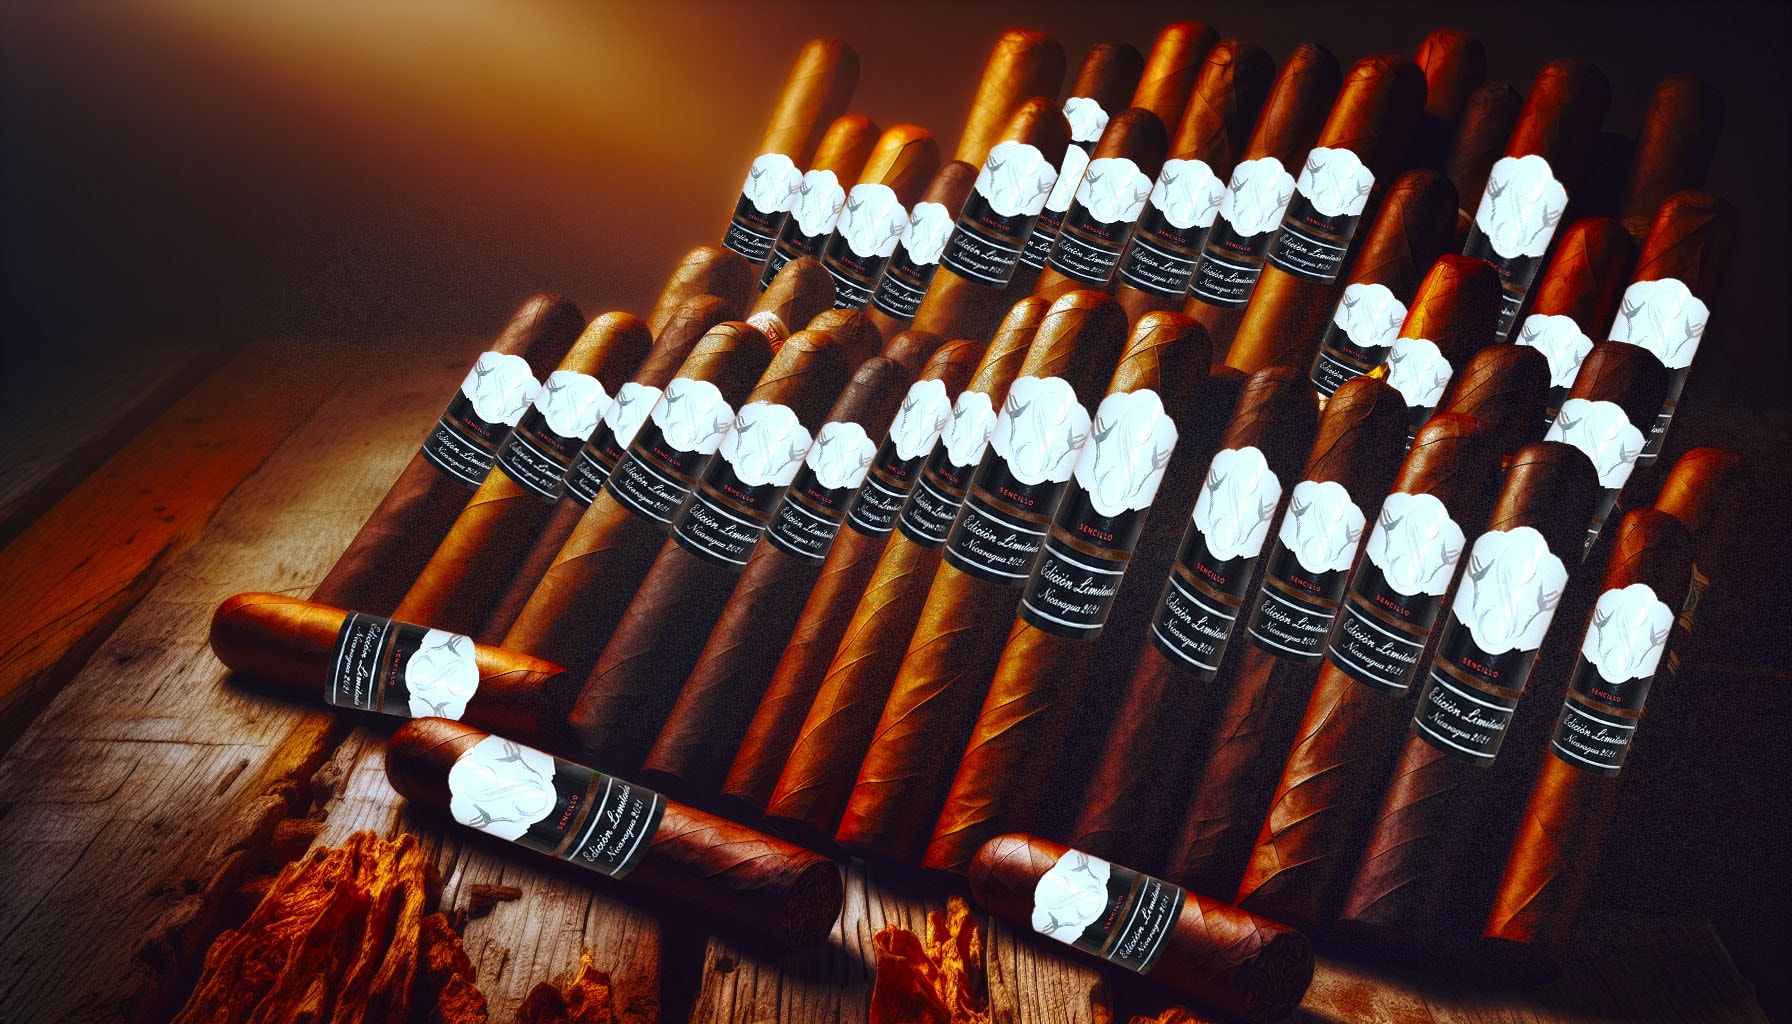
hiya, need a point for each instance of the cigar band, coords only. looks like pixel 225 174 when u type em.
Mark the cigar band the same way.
pixel 1106 910
pixel 552 806
pixel 1619 656
pixel 1307 570
pixel 610 441
pixel 939 492
pixel 1206 589
pixel 871 224
pixel 1687 622
pixel 395 668
pixel 998 217
pixel 809 517
pixel 541 449
pixel 911 268
pixel 1321 219
pixel 771 325
pixel 670 448
pixel 924 413
pixel 765 199
pixel 1100 222
pixel 1184 201
pixel 1560 340
pixel 1502 609
pixel 1606 436
pixel 813 214
pixel 1664 318
pixel 1250 211
pixel 1087 122
pixel 731 507
pixel 1418 370
pixel 494 396
pixel 1396 592
pixel 1356 341
pixel 1514 223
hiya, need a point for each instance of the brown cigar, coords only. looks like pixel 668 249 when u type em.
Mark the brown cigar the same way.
pixel 1452 318
pixel 582 594
pixel 859 340
pixel 628 409
pixel 1227 961
pixel 1487 123
pixel 875 213
pixel 819 196
pixel 890 552
pixel 1172 67
pixel 1607 414
pixel 1576 300
pixel 1094 231
pixel 1351 164
pixel 1556 851
pixel 1023 64
pixel 1503 387
pixel 627 696
pixel 396 541
pixel 352 660
pixel 917 257
pixel 820 84
pixel 1352 723
pixel 1455 65
pixel 1703 491
pixel 1155 271
pixel 1349 471
pixel 741 879
pixel 1517 573
pixel 913 350
pixel 1673 149
pixel 1528 188
pixel 705 270
pixel 801 292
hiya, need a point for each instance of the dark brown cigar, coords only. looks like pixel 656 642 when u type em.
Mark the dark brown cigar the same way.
pixel 1673 149
pixel 820 85
pixel 1605 416
pixel 1154 273
pixel 1023 64
pixel 819 196
pixel 352 660
pixel 1352 724
pixel 1452 317
pixel 1227 961
pixel 913 350
pixel 1172 67
pixel 705 270
pixel 1480 139
pixel 396 541
pixel 1503 387
pixel 875 213
pixel 1576 300
pixel 1106 206
pixel 1455 65
pixel 1704 491
pixel 741 879
pixel 917 257
pixel 1527 189
pixel 1236 756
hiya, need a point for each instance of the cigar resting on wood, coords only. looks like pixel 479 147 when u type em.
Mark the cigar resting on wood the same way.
pixel 1227 961
pixel 814 206
pixel 392 547
pixel 723 874
pixel 874 214
pixel 1704 491
pixel 1452 317
pixel 1503 387
pixel 1454 64
pixel 911 267
pixel 1606 416
pixel 1105 207
pixel 1673 149
pixel 1023 64
pixel 1487 123
pixel 1172 68
pixel 1576 300
pixel 705 270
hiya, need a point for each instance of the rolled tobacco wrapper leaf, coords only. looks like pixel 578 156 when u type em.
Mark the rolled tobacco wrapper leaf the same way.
pixel 801 292
pixel 1233 770
pixel 875 213
pixel 868 597
pixel 724 875
pixel 913 350
pixel 1503 387
pixel 1452 317
pixel 1023 64
pixel 583 593
pixel 1487 123
pixel 1107 205
pixel 1517 573
pixel 988 554
pixel 911 267
pixel 1216 124
pixel 859 340
pixel 1172 68
pixel 1227 961
pixel 1673 149
pixel 627 696
pixel 1359 706
pixel 705 270
pixel 1454 64
pixel 1605 415
pixel 820 195
pixel 1038 683
pixel 1556 851
pixel 417 512
pixel 491 536
pixel 369 663
pixel 820 85
pixel 1704 492
pixel 1527 188
pixel 1576 300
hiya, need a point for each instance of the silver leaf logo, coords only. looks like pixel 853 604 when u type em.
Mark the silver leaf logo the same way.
pixel 1015 179
pixel 1070 175
pixel 1521 207
pixel 766 444
pixel 818 202
pixel 1322 526
pixel 841 455
pixel 1188 194
pixel 966 434
pixel 1418 370
pixel 1370 315
pixel 1335 182
pixel 1415 544
pixel 772 183
pixel 626 414
pixel 1510 590
pixel 1625 637
pixel 692 415
pixel 441 675
pixel 1604 434
pixel 1071 896
pixel 1129 445
pixel 1087 119
pixel 928 229
pixel 1257 196
pixel 501 787
pixel 1236 503
pixel 1114 190
pixel 1039 430
pixel 1664 318
pixel 500 386
pixel 872 220
pixel 572 403
pixel 924 412
pixel 1561 342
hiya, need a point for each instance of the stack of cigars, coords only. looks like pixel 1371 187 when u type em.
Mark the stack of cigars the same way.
pixel 1222 506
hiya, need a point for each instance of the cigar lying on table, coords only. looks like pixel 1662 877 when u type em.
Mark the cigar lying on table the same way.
pixel 1527 189
pixel 1517 572
pixel 815 208
pixel 1487 123
pixel 1452 317
pixel 875 213
pixel 1233 771
pixel 1160 259
pixel 1556 850
pixel 1357 154
pixel 820 85
pixel 1106 206
pixel 816 717
pixel 1673 149
pixel 392 547
pixel 1227 961
pixel 772 602
pixel 468 572
pixel 1703 491
pixel 1576 300
pixel 1352 723
pixel 723 874
pixel 1172 68
pixel 1023 64
pixel 909 271
pixel 1454 64
pixel 1068 597
pixel 1616 393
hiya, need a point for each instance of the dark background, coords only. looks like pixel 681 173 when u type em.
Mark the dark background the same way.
pixel 194 171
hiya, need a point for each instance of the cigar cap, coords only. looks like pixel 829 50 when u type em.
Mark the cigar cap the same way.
pixel 1023 63
pixel 1453 460
pixel 1278 415
pixel 913 349
pixel 857 335
pixel 1691 241
pixel 1168 353
pixel 1626 375
pixel 731 356
pixel 419 755
pixel 1008 349
pixel 1481 135
pixel 821 82
pixel 1175 61
pixel 1551 488
pixel 1586 275
pixel 1704 491
pixel 689 321
pixel 801 292
pixel 953 363
pixel 705 270
pixel 1675 146
pixel 1454 64
pixel 903 160
pixel 1108 76
pixel 951 186
pixel 1415 226
pixel 610 349
pixel 1079 340
pixel 1654 549
pixel 845 147
pixel 1038 123
pixel 1376 111
pixel 1506 388
pixel 1136 135
pixel 541 331
pixel 805 375
pixel 1456 307
pixel 1359 438
pixel 1561 116
pixel 1216 122
pixel 871 397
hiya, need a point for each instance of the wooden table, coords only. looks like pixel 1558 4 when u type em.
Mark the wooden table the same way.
pixel 140 787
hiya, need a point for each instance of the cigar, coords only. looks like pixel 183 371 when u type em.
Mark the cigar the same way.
pixel 1023 64
pixel 627 410
pixel 374 664
pixel 1487 123
pixel 1107 204
pixel 705 270
pixel 1503 387
pixel 1576 300
pixel 875 214
pixel 583 593
pixel 1616 392
pixel 1359 704
pixel 626 697
pixel 489 539
pixel 1665 308
pixel 821 82
pixel 724 874
pixel 1172 68
pixel 1454 64
pixel 392 547
pixel 909 272
pixel 988 553
pixel 1225 960
pixel 1673 149
pixel 1527 188
pixel 1039 676
pixel 1452 317
pixel 1703 491
pixel 867 599
pixel 820 195
pixel 913 350
pixel 802 291
pixel 1517 573
pixel 1159 261
pixel 1236 758
pixel 860 340
pixel 1556 849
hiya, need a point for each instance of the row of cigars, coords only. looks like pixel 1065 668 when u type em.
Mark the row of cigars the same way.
pixel 849 537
